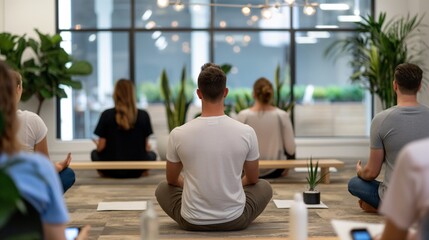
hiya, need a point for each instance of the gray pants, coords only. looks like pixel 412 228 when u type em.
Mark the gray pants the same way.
pixel 257 197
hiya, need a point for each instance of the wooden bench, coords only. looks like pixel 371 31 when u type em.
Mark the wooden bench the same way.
pixel 324 165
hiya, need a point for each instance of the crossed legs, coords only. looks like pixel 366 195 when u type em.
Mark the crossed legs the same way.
pixel 257 198
pixel 367 192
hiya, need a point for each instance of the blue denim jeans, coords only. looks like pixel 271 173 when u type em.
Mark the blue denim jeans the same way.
pixel 367 191
pixel 67 178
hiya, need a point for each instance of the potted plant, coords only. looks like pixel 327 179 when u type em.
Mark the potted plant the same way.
pixel 176 108
pixel 312 196
pixel 50 68
pixel 378 48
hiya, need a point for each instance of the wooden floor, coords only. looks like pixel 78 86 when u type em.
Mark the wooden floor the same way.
pixel 82 200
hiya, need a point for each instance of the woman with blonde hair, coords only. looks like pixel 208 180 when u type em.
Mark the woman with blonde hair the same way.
pixel 123 132
pixel 272 125
pixel 32 134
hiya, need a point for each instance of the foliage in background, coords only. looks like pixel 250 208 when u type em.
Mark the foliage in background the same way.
pixel 287 102
pixel 176 107
pixel 378 48
pixel 48 69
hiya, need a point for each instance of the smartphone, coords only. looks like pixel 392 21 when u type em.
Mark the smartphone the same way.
pixel 72 233
pixel 360 234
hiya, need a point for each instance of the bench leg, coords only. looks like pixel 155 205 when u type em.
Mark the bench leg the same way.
pixel 325 172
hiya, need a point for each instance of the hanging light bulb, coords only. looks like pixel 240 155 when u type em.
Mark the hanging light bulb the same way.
pixel 163 3
pixel 266 13
pixel 290 2
pixel 179 6
pixel 309 10
pixel 246 10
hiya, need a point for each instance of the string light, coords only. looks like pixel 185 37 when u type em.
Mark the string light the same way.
pixel 309 10
pixel 246 9
pixel 266 13
pixel 163 3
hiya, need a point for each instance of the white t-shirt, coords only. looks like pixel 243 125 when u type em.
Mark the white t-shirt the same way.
pixel 274 131
pixel 31 130
pixel 407 199
pixel 212 151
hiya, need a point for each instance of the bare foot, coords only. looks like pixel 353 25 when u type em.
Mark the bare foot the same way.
pixel 145 173
pixel 285 172
pixel 366 207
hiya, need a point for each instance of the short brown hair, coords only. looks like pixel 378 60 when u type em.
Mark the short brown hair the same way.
pixel 408 76
pixel 211 82
pixel 8 141
pixel 263 90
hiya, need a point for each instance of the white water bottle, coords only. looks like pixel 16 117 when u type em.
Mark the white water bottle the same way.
pixel 298 219
pixel 149 229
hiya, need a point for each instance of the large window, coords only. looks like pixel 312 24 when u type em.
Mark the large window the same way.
pixel 136 39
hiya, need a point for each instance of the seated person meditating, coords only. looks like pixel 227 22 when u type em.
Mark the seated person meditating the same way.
pixel 32 134
pixel 205 190
pixel 391 129
pixel 37 182
pixel 406 204
pixel 123 133
pixel 272 126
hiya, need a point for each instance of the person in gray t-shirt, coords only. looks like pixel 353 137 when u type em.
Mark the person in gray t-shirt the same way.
pixel 391 129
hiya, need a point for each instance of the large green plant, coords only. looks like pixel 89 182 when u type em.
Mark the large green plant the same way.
pixel 176 107
pixel 377 49
pixel 48 69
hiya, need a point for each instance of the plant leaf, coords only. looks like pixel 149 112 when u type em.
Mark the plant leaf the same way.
pixel 80 68
pixel 10 198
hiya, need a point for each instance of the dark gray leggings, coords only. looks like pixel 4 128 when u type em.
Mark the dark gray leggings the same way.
pixel 257 198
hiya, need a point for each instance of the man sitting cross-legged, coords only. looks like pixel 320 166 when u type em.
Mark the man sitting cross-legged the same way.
pixel 211 152
pixel 391 129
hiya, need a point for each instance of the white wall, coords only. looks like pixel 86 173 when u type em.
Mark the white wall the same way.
pixel 22 16
pixel 1 15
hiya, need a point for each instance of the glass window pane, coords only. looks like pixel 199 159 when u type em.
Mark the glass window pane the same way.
pixel 277 18
pixel 170 51
pixel 252 54
pixel 108 54
pixel 171 37
pixel 335 14
pixel 323 89
pixel 149 15
pixel 101 14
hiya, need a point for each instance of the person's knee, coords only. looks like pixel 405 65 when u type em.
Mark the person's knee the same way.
pixel 160 189
pixel 266 186
pixel 68 178
pixel 68 174
pixel 94 155
pixel 353 184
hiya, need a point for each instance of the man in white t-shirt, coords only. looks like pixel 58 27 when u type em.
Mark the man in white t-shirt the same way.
pixel 407 199
pixel 205 190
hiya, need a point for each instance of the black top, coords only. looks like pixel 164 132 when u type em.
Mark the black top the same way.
pixel 123 144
